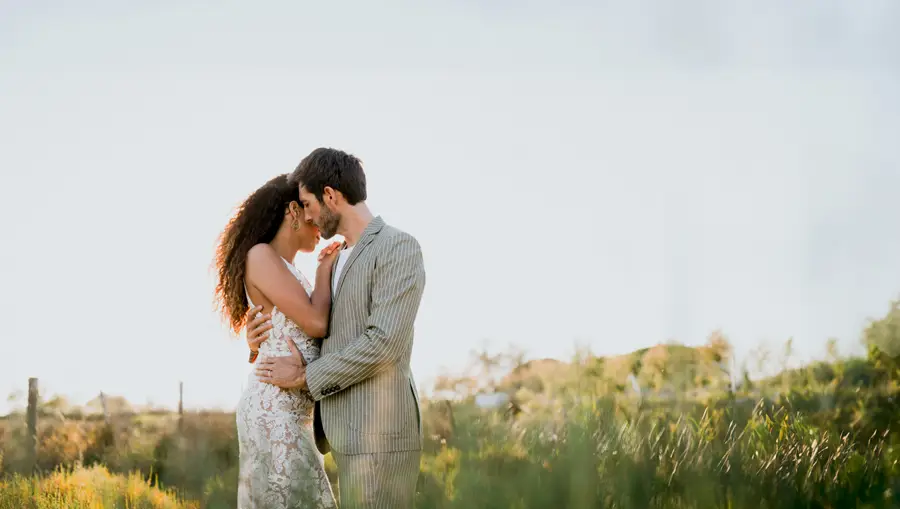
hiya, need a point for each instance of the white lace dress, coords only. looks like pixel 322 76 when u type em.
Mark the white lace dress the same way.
pixel 280 467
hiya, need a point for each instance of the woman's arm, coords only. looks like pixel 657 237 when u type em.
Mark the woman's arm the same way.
pixel 321 294
pixel 269 274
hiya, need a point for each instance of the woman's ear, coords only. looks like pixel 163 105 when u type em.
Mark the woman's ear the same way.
pixel 295 210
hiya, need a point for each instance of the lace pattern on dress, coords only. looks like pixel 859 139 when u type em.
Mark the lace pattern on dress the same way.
pixel 280 467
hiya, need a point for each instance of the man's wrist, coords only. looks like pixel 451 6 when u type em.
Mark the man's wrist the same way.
pixel 303 382
pixel 299 382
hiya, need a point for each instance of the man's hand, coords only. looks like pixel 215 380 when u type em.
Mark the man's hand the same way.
pixel 284 372
pixel 257 328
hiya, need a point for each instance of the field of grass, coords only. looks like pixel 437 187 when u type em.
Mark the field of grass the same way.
pixel 573 435
pixel 598 453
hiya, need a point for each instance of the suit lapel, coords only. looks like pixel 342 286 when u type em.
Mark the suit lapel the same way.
pixel 367 237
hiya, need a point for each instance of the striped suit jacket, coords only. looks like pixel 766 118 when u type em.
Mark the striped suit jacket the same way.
pixel 366 398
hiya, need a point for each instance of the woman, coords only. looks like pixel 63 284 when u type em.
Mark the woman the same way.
pixel 280 466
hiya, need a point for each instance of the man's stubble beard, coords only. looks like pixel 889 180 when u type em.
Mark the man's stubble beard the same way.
pixel 329 223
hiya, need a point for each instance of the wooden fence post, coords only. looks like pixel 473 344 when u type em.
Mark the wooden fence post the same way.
pixel 105 407
pixel 180 406
pixel 107 420
pixel 32 423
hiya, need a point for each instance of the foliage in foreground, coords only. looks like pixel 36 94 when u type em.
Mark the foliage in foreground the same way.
pixel 599 456
pixel 85 488
pixel 582 452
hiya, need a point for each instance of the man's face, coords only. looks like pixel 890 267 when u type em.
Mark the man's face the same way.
pixel 321 215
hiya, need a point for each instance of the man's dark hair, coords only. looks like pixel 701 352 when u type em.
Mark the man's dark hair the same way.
pixel 329 167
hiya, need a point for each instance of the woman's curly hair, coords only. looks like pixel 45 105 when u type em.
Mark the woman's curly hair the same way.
pixel 256 221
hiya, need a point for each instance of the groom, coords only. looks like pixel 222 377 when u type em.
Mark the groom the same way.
pixel 365 394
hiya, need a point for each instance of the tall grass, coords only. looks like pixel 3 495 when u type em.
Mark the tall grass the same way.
pixel 600 456
pixel 85 488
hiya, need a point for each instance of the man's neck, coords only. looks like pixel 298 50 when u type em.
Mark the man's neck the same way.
pixel 354 223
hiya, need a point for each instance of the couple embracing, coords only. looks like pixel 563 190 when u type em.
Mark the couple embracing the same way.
pixel 332 362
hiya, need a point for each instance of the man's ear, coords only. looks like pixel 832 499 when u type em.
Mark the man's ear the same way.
pixel 331 196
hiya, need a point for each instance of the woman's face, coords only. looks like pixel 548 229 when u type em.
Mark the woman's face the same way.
pixel 307 235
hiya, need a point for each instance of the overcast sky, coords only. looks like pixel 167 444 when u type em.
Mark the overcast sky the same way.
pixel 609 174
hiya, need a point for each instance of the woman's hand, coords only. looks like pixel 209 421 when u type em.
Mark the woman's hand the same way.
pixel 329 254
pixel 257 330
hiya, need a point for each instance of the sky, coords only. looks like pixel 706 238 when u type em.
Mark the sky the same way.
pixel 613 175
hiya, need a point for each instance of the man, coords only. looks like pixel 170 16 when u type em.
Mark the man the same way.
pixel 367 405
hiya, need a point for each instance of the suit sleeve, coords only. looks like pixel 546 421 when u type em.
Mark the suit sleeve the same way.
pixel 398 283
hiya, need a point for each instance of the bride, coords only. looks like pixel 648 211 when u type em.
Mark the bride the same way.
pixel 280 466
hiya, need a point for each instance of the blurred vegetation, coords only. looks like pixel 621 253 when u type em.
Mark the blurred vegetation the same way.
pixel 698 432
pixel 86 488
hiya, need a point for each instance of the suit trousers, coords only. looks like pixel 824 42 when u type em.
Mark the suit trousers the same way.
pixel 383 480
